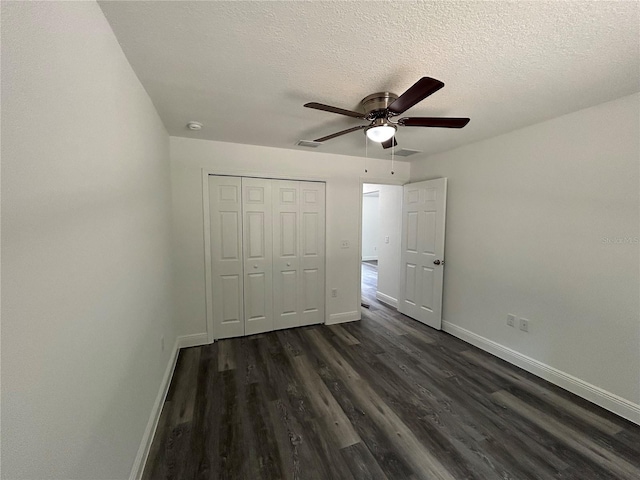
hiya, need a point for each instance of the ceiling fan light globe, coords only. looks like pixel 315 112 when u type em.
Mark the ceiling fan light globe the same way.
pixel 381 133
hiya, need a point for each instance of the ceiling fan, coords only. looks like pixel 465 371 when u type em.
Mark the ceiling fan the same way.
pixel 379 109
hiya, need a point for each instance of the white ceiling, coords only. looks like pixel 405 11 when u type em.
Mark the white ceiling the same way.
pixel 244 69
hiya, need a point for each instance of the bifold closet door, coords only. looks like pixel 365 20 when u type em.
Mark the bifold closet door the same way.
pixel 312 245
pixel 258 245
pixel 298 253
pixel 225 215
pixel 267 254
pixel 287 288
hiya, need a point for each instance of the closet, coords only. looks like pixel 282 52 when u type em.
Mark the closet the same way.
pixel 267 254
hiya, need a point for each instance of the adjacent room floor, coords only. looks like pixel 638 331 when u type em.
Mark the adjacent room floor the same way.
pixel 369 271
pixel 383 398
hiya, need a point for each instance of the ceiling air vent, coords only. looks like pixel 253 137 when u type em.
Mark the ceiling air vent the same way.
pixel 308 143
pixel 405 152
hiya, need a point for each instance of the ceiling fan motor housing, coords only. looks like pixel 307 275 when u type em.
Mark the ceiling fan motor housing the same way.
pixel 376 104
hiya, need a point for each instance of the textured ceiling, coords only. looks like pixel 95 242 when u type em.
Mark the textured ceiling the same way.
pixel 244 69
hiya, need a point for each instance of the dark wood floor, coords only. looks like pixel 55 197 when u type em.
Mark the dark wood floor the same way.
pixel 383 398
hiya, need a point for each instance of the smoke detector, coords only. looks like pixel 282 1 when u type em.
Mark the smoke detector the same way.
pixel 195 126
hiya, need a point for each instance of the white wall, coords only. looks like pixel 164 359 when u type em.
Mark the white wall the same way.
pixel 389 259
pixel 370 226
pixel 342 174
pixel 534 218
pixel 86 270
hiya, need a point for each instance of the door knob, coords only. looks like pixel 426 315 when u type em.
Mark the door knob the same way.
pixel 438 262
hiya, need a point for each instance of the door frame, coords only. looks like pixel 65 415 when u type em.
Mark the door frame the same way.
pixel 375 181
pixel 208 275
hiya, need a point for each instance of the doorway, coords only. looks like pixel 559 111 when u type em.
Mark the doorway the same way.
pixel 370 240
pixel 380 243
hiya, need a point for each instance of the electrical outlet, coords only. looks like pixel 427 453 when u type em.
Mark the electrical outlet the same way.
pixel 344 244
pixel 334 292
pixel 162 343
pixel 511 320
pixel 524 324
pixel 386 239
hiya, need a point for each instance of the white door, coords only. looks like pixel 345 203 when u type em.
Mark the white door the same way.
pixel 286 254
pixel 225 215
pixel 312 244
pixel 258 301
pixel 267 254
pixel 298 253
pixel 423 222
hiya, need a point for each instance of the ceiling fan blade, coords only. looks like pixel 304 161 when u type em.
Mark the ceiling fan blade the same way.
pixel 416 93
pixel 442 122
pixel 389 143
pixel 343 132
pixel 329 108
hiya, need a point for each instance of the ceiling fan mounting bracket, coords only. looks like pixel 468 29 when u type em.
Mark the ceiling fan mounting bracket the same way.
pixel 376 104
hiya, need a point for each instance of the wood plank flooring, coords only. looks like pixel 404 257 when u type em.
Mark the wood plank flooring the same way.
pixel 383 398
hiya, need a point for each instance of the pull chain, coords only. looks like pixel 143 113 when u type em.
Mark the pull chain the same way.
pixel 366 153
pixel 393 150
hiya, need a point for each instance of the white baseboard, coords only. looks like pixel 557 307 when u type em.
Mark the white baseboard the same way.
pixel 147 438
pixel 195 340
pixel 368 259
pixel 597 395
pixel 384 298
pixel 143 451
pixel 343 317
